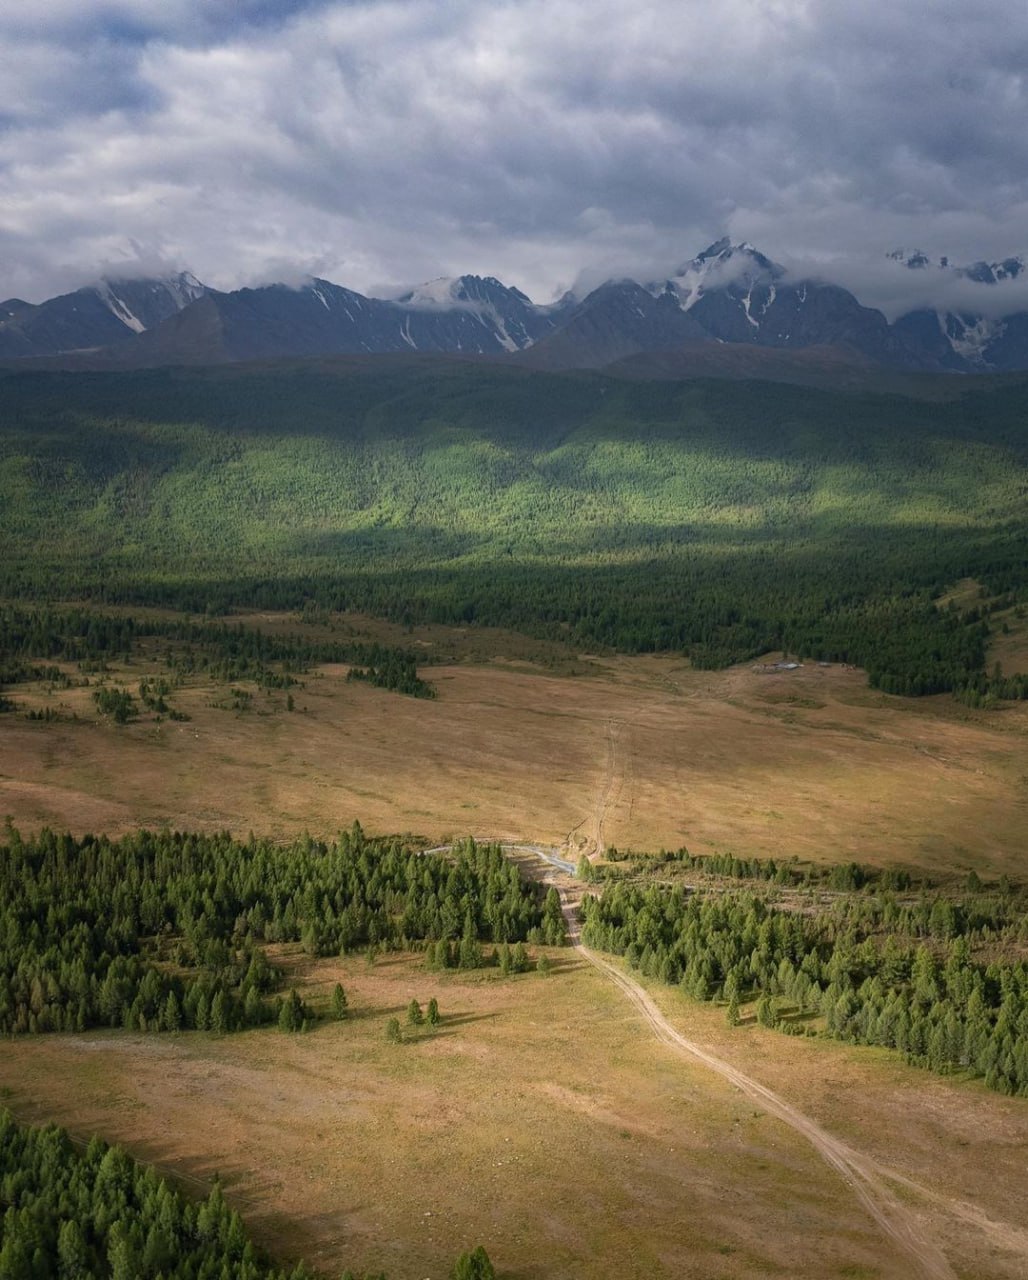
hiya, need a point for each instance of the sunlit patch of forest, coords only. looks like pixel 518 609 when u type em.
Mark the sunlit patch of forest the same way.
pixel 719 519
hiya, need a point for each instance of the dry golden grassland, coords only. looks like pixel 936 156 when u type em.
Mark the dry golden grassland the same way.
pixel 542 1119
pixel 636 752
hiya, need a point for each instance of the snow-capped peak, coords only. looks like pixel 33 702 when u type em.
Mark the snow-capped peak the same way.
pixel 442 292
pixel 720 265
pixel 468 292
pixel 506 313
pixel 980 272
pixel 184 287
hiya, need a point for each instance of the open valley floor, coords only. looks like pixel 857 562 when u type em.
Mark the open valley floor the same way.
pixel 634 752
pixel 543 1116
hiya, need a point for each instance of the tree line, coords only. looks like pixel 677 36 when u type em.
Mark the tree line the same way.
pixel 166 931
pixel 875 970
pixel 73 1212
pixel 32 638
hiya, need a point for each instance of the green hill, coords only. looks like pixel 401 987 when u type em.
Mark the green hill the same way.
pixel 721 518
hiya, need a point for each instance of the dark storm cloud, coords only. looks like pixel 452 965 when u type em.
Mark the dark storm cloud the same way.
pixel 379 143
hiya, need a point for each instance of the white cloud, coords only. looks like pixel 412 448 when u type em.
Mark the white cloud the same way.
pixel 380 143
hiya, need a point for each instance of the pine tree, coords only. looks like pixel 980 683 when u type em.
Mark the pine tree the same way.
pixel 171 1016
pixel 339 1002
pixel 292 1015
pixel 219 1017
pixel 766 1013
pixel 470 951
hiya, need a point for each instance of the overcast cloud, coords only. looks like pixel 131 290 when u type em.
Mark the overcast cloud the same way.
pixel 384 143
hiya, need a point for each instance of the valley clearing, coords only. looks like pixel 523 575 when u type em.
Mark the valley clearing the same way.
pixel 576 1134
pixel 638 753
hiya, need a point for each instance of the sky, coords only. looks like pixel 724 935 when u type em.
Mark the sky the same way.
pixel 380 143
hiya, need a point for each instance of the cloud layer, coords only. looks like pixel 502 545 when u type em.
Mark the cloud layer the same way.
pixel 380 143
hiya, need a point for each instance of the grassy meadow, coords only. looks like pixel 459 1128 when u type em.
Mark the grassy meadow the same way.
pixel 541 1119
pixel 636 752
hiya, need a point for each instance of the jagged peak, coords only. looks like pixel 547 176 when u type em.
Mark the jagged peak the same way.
pixel 916 259
pixel 994 272
pixel 980 272
pixel 721 265
pixel 716 250
pixel 449 292
pixel 724 251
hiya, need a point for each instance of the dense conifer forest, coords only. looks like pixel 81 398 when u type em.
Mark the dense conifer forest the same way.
pixel 166 931
pixel 96 1212
pixel 941 978
pixel 720 519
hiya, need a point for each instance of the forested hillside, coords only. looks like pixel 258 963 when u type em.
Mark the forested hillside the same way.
pixel 722 519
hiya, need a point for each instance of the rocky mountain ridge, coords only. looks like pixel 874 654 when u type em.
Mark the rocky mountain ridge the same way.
pixel 730 294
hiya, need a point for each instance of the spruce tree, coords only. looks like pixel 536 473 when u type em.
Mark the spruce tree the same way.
pixel 339 1002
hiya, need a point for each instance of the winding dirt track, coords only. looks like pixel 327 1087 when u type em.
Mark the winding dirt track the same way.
pixel 864 1175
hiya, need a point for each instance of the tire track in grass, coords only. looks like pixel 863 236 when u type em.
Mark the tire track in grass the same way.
pixel 863 1175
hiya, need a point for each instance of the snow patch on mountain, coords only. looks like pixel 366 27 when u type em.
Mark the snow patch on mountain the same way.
pixel 118 308
pixel 720 266
pixel 970 336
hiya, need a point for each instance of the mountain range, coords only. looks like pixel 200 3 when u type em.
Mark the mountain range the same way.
pixel 730 297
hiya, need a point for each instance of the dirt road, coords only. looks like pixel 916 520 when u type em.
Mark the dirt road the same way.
pixel 869 1180
pixel 864 1175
